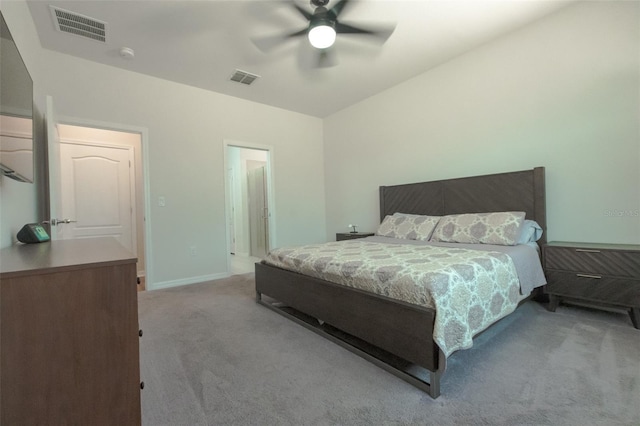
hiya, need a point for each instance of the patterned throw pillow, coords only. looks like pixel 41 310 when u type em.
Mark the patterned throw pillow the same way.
pixel 502 228
pixel 408 226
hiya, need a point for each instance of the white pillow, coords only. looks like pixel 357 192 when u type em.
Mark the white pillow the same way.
pixel 530 232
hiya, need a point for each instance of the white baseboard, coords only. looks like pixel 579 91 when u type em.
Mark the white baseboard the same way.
pixel 187 281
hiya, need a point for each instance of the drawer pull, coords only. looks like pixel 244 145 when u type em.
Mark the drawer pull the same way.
pixel 587 251
pixel 597 277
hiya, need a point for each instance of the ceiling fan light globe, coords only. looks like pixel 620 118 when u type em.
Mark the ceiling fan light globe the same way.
pixel 322 36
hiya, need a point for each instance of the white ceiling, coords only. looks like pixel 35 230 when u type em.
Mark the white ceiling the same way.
pixel 201 43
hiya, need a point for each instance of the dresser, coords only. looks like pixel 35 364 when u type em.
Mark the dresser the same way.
pixel 600 274
pixel 69 350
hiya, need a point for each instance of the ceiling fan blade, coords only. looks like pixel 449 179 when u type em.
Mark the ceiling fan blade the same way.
pixel 327 58
pixel 303 31
pixel 303 12
pixel 268 43
pixel 382 33
pixel 336 10
pixel 309 58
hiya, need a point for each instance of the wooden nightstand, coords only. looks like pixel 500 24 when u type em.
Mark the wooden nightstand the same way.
pixel 340 236
pixel 603 274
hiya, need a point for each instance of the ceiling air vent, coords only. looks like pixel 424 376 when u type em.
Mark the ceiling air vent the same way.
pixel 80 25
pixel 244 77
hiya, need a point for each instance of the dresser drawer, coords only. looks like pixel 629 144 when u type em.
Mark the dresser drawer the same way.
pixel 618 291
pixel 593 261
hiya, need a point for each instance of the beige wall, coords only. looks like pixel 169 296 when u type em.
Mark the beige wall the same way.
pixel 187 128
pixel 186 132
pixel 561 93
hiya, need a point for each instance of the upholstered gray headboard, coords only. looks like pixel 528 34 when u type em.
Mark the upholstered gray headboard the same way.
pixel 512 191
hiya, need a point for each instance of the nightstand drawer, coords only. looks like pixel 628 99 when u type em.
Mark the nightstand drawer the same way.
pixel 594 261
pixel 619 291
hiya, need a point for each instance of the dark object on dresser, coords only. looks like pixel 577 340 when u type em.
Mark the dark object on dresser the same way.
pixel 602 274
pixel 393 334
pixel 70 336
pixel 341 236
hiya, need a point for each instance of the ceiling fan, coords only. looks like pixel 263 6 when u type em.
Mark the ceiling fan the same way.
pixel 323 28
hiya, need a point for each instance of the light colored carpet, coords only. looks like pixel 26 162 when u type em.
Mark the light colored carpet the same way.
pixel 211 356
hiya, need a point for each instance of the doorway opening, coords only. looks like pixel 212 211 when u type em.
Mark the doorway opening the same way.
pixel 102 187
pixel 250 207
pixel 87 134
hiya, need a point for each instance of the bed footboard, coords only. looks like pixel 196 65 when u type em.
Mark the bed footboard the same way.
pixel 392 334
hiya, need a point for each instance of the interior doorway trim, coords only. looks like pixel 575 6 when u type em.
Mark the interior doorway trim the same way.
pixel 144 138
pixel 229 143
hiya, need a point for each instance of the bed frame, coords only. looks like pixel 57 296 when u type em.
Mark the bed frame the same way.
pixel 394 335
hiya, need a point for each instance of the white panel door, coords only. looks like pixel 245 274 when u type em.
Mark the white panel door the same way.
pixel 232 211
pixel 258 211
pixel 97 192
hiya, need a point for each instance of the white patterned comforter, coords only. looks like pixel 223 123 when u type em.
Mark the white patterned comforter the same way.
pixel 469 289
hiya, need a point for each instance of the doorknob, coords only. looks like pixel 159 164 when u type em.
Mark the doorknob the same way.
pixel 54 222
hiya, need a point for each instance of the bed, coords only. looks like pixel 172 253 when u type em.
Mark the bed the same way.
pixel 395 334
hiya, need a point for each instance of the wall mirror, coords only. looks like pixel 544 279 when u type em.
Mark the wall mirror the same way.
pixel 16 111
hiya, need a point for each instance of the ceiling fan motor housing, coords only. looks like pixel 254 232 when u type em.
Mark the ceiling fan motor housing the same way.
pixel 321 17
pixel 318 3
